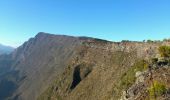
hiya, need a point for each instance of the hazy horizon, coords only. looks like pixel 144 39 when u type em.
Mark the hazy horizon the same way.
pixel 113 20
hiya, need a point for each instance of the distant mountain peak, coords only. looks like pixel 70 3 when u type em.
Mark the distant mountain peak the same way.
pixel 5 49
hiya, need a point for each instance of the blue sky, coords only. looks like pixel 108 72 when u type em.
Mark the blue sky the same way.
pixel 114 20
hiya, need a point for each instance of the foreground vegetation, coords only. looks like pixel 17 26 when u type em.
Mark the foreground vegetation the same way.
pixel 129 78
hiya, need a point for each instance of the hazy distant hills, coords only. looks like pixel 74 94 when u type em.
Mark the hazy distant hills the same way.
pixel 59 67
pixel 5 49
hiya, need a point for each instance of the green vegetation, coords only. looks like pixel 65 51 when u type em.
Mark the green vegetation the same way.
pixel 150 41
pixel 164 51
pixel 157 89
pixel 125 41
pixel 129 78
pixel 154 60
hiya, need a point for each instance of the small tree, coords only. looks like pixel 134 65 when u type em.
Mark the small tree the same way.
pixel 164 51
pixel 150 41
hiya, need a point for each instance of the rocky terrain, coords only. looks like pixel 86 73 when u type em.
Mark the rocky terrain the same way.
pixel 58 67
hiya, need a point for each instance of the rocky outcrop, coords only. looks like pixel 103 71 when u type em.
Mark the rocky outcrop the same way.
pixel 138 88
pixel 144 80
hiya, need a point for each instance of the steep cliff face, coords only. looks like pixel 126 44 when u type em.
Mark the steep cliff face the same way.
pixel 36 63
pixel 50 67
pixel 40 60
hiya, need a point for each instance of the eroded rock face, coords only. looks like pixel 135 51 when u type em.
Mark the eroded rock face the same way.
pixel 80 72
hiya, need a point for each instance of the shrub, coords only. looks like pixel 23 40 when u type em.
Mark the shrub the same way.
pixel 146 65
pixel 157 89
pixel 154 60
pixel 150 41
pixel 164 51
pixel 140 65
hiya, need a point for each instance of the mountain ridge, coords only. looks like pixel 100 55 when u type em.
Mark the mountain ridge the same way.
pixel 61 67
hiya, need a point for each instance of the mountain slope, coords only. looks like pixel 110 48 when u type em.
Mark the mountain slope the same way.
pixel 50 67
pixel 98 71
pixel 37 62
pixel 95 67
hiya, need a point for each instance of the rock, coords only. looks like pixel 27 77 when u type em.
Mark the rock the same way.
pixel 139 77
pixel 124 96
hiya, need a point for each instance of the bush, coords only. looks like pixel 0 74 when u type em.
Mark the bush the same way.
pixel 146 66
pixel 150 41
pixel 157 89
pixel 164 51
pixel 154 60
